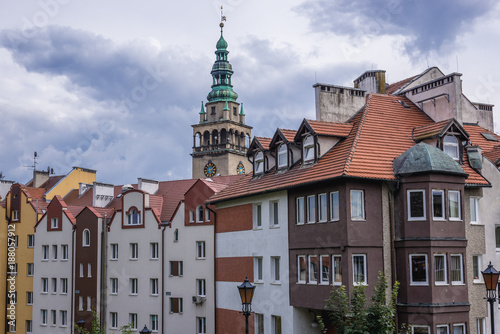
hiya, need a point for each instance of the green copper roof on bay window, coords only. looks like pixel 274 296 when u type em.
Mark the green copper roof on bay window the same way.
pixel 202 109
pixel 222 89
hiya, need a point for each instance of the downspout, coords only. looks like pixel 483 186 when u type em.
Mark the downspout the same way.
pixel 163 277
pixel 104 271
pixel 73 251
pixel 393 250
pixel 215 268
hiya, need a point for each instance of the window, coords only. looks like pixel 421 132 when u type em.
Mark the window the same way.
pixel 207 215
pixel 89 303
pixel 12 270
pixel 31 240
pixel 259 323
pixel 275 269
pixel 154 250
pixel 201 325
pixel 44 317
pixel 133 217
pixel 176 268
pixel 31 269
pixel 86 238
pixel 416 329
pixel 301 266
pixel 416 204
pixel 450 146
pixel 258 269
pixel 29 298
pixel 89 269
pixel 191 216
pixel 322 209
pixel 54 317
pixel 276 324
pixel 113 319
pixel 257 215
pixel 497 236
pixel 176 235
pixel 282 156
pixel 199 210
pixel 153 321
pixel 442 329
pixel 334 206
pixel 133 286
pixel 64 285
pixel 481 326
pixel 64 251
pixel 80 303
pixel 274 213
pixel 81 270
pixel 132 320
pixel 54 223
pixel 54 252
pixel 324 261
pixel 337 269
pixel 458 328
pixel 438 204
pixel 300 210
pixel 474 210
pixel 359 269
pixel 200 287
pixel 29 326
pixel 308 148
pixel 200 249
pixel 175 305
pixel 134 251
pixel 15 215
pixel 64 318
pixel 45 253
pixel 313 269
pixel 418 269
pixel 16 241
pixel 456 269
pixel 477 265
pixel 259 162
pixel 12 297
pixel 440 276
pixel 311 209
pixel 12 326
pixel 114 251
pixel 114 286
pixel 454 204
pixel 54 285
pixel 357 205
pixel 153 282
pixel 45 285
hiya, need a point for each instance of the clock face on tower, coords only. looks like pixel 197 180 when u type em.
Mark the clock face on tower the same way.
pixel 210 169
pixel 240 169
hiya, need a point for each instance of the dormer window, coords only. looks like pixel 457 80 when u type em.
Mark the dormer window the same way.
pixel 282 156
pixel 308 149
pixel 259 162
pixel 133 217
pixel 451 146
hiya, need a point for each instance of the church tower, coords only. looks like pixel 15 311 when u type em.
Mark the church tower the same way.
pixel 221 138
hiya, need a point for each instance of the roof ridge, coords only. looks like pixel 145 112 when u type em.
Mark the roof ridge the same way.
pixel 356 136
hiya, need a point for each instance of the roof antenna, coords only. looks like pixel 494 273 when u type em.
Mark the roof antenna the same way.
pixel 35 155
pixel 222 18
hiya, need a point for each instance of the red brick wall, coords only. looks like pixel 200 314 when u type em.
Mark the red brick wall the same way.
pixel 235 218
pixel 234 269
pixel 231 322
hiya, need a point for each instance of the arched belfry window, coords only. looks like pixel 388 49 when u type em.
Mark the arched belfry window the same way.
pixel 282 156
pixel 259 162
pixel 308 148
pixel 197 140
pixel 451 146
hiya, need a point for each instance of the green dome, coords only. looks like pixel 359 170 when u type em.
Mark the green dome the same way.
pixel 221 43
pixel 222 94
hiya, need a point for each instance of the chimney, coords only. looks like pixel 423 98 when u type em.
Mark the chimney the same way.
pixel 149 186
pixel 103 194
pixel 372 82
pixel 83 188
pixel 126 188
pixel 39 178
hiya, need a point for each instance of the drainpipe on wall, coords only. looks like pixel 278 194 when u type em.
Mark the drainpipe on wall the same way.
pixel 104 272
pixel 73 252
pixel 393 250
pixel 215 268
pixel 163 276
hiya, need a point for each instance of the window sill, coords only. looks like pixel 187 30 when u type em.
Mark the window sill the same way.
pixel 64 260
pixel 299 224
pixel 275 283
pixel 322 221
pixel 201 258
pixel 358 219
pixel 456 220
pixel 457 283
pixel 324 283
pixel 133 259
pixel 113 259
pixel 153 259
pixel 258 228
pixel 337 283
pixel 152 295
pixel 441 284
pixel 312 283
pixel 419 284
pixel 438 219
pixel 274 226
pixel 258 282
pixel 417 219
pixel 477 224
pixel 310 223
pixel 301 283
pixel 360 284
pixel 478 282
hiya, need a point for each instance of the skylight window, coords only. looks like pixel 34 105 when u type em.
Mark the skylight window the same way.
pixel 489 136
pixel 404 104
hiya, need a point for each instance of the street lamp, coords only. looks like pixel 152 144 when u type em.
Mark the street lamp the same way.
pixel 490 277
pixel 246 290
pixel 146 330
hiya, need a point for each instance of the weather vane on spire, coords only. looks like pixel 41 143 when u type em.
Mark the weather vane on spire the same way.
pixel 222 18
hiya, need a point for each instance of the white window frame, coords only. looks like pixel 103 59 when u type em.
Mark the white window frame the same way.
pixel 54 285
pixel 29 297
pixel 199 214
pixel 353 208
pixel 31 240
pixel 113 320
pixel 419 326
pixel 299 210
pixel 334 269
pixel 311 209
pixel 64 318
pixel 282 156
pixel 275 324
pixel 450 193
pixel 207 215
pixel 89 303
pixel 443 209
pixel 474 203
pixel 53 317
pixel 201 325
pixel 114 252
pixel 479 266
pixel 497 238
pixel 408 194
pixel 446 327
pixel 322 208
pixel 43 316
pixel 54 222
pixel 303 259
pixel 45 285
pixel 86 238
pixel 481 325
pixel 45 252
pixel 464 329
pixel 29 326
pixel 365 272
pixel 15 215
pixel 80 303
pixel 134 286
pixel 445 269
pixel 259 323
pixel 258 269
pixel 412 282
pixel 462 278
pixel 64 286
pixel 257 216
pixel 89 269
pixel 154 250
pixel 201 287
pixel 308 150
pixel 200 250
pixel 81 270
pixel 134 251
pixel 114 285
pixel 30 269
pixel 310 263
pixel 451 146
pixel 132 319
pixel 191 216
pixel 64 252
pixel 153 321
pixel 259 162
pixel 134 217
pixel 321 272
pixel 274 214
pixel 153 283
pixel 334 206
pixel 54 252
pixel 275 270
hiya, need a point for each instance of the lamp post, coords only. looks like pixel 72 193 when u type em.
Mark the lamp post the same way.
pixel 490 277
pixel 246 290
pixel 145 330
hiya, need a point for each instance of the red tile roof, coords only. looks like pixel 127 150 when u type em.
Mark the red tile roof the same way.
pixel 400 84
pixel 172 192
pixel 491 149
pixel 264 141
pixel 380 132
pixel 330 128
pixel 219 183
pixel 289 134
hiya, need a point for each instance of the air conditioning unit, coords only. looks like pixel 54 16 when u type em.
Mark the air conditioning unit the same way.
pixel 198 299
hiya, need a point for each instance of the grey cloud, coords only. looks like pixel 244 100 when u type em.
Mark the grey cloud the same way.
pixel 428 24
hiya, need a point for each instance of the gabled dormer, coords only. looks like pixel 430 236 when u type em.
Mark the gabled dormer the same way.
pixel 447 135
pixel 283 147
pixel 315 138
pixel 258 153
pixel 57 212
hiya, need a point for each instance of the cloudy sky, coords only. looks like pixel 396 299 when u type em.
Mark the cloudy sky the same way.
pixel 115 85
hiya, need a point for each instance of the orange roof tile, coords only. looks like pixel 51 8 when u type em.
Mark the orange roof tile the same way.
pixel 400 84
pixel 264 141
pixel 323 128
pixel 289 134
